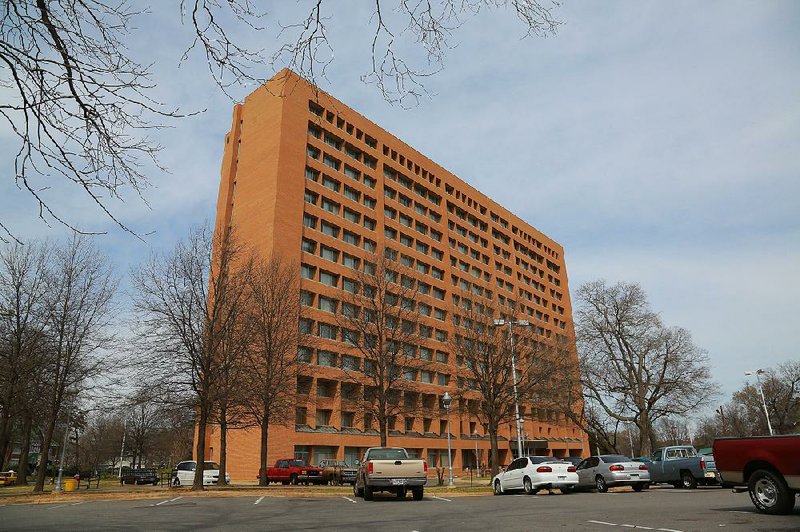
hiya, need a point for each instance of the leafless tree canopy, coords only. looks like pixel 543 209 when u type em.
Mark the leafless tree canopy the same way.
pixel 633 368
pixel 82 108
pixel 380 321
pixel 189 303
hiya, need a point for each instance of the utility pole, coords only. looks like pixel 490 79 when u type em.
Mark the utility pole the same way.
pixel 122 451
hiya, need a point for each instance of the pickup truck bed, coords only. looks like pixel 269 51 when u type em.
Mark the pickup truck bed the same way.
pixel 390 469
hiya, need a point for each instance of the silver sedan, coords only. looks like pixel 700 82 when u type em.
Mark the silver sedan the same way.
pixel 609 470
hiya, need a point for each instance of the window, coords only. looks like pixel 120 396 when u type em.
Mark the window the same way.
pixel 352 194
pixel 323 418
pixel 409 421
pixel 300 415
pixel 327 304
pixel 436 273
pixel 309 221
pixel 330 140
pixel 370 181
pixel 304 354
pixel 352 173
pixel 325 330
pixel 390 233
pixel 351 216
pixel 309 246
pixel 426 377
pixel 410 374
pixel 305 326
pixel 426 354
pixel 441 356
pixel 369 202
pixel 351 238
pixel 440 314
pixel 330 206
pixel 328 279
pixel 442 379
pixel 330 183
pixel 404 201
pixel 351 337
pixel 406 240
pixel 423 288
pixel 389 212
pixel 438 293
pixel 307 272
pixel 306 298
pixel 349 310
pixel 389 193
pixel 441 336
pixel 424 309
pixel 348 419
pixel 312 174
pixel 330 161
pixel 405 220
pixel 329 254
pixel 351 261
pixel 422 248
pixel 311 198
pixel 312 152
pixel 351 363
pixel 369 223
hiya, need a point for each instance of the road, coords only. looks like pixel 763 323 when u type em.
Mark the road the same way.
pixel 663 510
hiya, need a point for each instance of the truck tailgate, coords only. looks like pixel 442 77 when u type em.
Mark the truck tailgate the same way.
pixel 397 468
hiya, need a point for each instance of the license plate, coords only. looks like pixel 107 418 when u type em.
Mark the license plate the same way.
pixel 634 475
pixel 562 478
pixel 398 481
pixel 710 474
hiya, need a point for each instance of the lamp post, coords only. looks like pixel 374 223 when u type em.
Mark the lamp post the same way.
pixel 511 323
pixel 446 400
pixel 758 374
pixel 477 460
pixel 59 486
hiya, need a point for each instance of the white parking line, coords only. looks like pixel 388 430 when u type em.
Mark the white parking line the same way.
pixel 349 499
pixel 159 503
pixel 601 523
pixel 668 530
pixel 77 503
pixel 638 527
pixel 440 498
pixel 57 506
pixel 259 499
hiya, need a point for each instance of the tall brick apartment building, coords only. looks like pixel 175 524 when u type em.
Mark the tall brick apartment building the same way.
pixel 305 176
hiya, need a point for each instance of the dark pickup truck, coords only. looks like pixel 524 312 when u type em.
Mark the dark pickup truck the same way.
pixel 768 467
pixel 140 476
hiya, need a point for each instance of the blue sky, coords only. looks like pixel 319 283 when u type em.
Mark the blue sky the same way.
pixel 656 141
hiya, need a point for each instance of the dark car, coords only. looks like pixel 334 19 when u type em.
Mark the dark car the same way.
pixel 574 460
pixel 140 476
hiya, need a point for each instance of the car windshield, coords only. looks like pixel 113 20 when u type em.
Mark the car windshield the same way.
pixel 611 458
pixel 211 465
pixel 387 454
pixel 296 463
pixel 542 459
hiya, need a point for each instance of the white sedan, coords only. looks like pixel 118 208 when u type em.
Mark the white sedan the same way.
pixel 183 474
pixel 532 473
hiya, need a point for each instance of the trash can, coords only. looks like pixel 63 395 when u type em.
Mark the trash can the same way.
pixel 70 484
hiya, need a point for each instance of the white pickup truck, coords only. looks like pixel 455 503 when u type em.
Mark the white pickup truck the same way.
pixel 390 469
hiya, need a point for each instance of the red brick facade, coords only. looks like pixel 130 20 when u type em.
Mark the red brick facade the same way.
pixel 300 165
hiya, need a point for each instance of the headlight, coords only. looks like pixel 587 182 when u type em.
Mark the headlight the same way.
pixel 303 472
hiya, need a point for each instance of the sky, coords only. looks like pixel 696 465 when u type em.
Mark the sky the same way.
pixel 658 142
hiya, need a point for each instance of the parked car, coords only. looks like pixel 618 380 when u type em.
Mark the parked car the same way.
pixel 293 471
pixel 767 465
pixel 683 467
pixel 8 478
pixel 337 472
pixel 610 470
pixel 574 460
pixel 183 473
pixel 533 473
pixel 140 476
pixel 390 469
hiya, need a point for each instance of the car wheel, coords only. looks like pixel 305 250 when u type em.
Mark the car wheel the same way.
pixel 769 493
pixel 293 479
pixel 418 493
pixel 688 481
pixel 367 492
pixel 176 482
pixel 498 489
pixel 637 487
pixel 526 483
pixel 600 484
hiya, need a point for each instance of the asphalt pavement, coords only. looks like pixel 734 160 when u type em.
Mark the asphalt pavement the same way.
pixel 663 510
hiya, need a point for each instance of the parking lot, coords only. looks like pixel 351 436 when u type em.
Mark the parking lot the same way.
pixel 664 510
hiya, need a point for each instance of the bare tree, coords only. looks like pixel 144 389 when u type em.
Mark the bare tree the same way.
pixel 380 320
pixel 270 367
pixel 78 311
pixel 633 368
pixel 188 303
pixel 488 357
pixel 81 106
pixel 23 283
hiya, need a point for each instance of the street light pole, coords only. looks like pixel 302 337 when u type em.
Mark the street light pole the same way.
pixel 446 403
pixel 477 460
pixel 511 323
pixel 758 374
pixel 58 487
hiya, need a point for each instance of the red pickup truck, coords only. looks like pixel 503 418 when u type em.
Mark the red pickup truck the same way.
pixel 768 465
pixel 293 471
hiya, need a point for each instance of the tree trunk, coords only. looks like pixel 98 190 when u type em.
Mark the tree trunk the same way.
pixel 223 444
pixel 645 434
pixel 22 473
pixel 5 427
pixel 44 454
pixel 262 479
pixel 494 453
pixel 384 427
pixel 200 448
